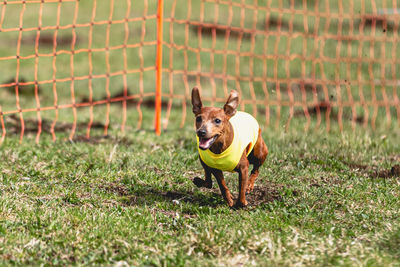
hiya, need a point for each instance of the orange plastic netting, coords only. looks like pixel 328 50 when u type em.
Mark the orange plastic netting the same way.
pixel 321 61
pixel 337 59
pixel 88 21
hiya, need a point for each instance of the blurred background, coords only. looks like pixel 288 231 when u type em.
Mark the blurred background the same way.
pixel 74 68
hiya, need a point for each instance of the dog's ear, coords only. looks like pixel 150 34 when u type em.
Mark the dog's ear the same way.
pixel 196 101
pixel 231 104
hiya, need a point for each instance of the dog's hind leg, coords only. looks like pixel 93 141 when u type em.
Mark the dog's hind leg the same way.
pixel 253 177
pixel 256 158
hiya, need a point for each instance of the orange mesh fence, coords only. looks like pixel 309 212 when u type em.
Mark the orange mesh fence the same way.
pixel 69 55
pixel 319 61
pixel 80 65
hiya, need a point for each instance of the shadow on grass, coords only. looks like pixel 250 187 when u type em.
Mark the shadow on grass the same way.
pixel 150 196
pixel 262 194
pixel 199 198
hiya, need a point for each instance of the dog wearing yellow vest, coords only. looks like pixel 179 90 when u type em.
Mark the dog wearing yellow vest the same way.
pixel 228 140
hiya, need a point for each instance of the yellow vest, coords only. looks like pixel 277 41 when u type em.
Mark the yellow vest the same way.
pixel 245 132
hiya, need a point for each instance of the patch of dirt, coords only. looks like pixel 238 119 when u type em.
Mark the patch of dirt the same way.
pixel 368 170
pixel 380 21
pixel 23 90
pixel 261 194
pixel 323 107
pixel 356 166
pixel 308 86
pixel 220 31
pixel 146 102
pixel 47 39
pixel 394 172
pixel 278 23
pixel 374 172
pixel 31 125
pixel 265 194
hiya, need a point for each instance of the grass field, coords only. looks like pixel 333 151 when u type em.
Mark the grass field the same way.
pixel 321 198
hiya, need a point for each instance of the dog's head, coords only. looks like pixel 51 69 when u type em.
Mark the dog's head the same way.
pixel 211 122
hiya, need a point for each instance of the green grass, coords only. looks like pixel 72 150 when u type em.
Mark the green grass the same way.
pixel 80 203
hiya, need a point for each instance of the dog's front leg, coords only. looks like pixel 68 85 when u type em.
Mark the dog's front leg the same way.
pixel 243 170
pixel 208 181
pixel 222 186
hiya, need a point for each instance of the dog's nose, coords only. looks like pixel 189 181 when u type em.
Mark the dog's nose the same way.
pixel 201 133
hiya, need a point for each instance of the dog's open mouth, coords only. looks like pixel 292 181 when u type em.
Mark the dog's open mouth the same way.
pixel 205 143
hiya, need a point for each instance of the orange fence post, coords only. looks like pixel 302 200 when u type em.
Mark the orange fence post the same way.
pixel 159 67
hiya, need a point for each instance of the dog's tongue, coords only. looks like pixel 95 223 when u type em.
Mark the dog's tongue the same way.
pixel 205 143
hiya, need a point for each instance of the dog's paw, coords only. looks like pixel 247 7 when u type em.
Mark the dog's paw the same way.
pixel 250 188
pixel 240 205
pixel 199 182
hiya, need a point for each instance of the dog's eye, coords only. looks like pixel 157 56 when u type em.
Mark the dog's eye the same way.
pixel 217 121
pixel 198 119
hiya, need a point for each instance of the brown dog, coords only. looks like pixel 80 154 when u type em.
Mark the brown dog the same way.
pixel 228 140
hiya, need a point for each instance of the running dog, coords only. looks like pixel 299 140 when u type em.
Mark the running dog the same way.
pixel 228 140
